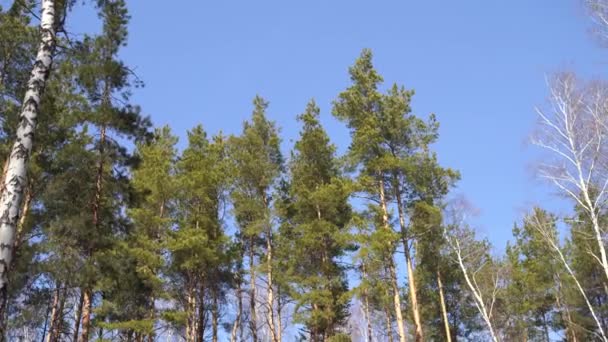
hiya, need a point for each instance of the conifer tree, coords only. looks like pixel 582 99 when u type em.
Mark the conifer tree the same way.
pixel 257 165
pixel 103 78
pixel 199 247
pixel 532 288
pixel 315 231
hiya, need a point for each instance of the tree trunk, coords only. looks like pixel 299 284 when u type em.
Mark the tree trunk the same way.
pixel 86 315
pixel 16 175
pixel 54 310
pixel 57 315
pixel 21 225
pixel 238 325
pixel 78 316
pixel 444 311
pixel 279 322
pixel 368 319
pixel 191 312
pixel 253 317
pixel 270 289
pixel 391 268
pixel 411 277
pixel 388 321
pixel 214 314
pixel 477 296
pixel 202 315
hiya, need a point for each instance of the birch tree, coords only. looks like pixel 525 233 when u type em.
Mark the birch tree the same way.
pixel 545 226
pixel 473 259
pixel 573 130
pixel 15 181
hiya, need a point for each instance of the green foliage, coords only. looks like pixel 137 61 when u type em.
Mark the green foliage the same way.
pixel 314 234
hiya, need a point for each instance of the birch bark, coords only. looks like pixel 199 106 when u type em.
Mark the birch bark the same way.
pixel 16 174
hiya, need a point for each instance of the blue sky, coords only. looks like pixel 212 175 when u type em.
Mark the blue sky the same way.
pixel 479 65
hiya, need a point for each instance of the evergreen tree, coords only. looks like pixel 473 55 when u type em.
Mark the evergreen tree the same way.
pixel 531 291
pixel 103 78
pixel 315 231
pixel 199 248
pixel 257 165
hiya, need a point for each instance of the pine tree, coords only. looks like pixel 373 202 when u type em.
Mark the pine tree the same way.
pixel 532 288
pixel 103 78
pixel 199 248
pixel 392 148
pixel 315 234
pixel 257 165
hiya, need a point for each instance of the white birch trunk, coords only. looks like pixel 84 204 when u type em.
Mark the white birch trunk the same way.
pixel 16 175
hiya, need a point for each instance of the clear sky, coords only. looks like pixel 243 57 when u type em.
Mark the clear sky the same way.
pixel 479 65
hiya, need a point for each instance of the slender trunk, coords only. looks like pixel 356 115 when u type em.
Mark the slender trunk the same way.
pixel 391 268
pixel 16 175
pixel 388 320
pixel 444 310
pixel 593 212
pixel 78 316
pixel 368 318
pixel 279 322
pixel 152 299
pixel 479 302
pixel 54 313
pixel 238 326
pixel 253 317
pixel 202 315
pixel 86 315
pixel 46 323
pixel 190 311
pixel 214 314
pixel 411 277
pixel 57 317
pixel 270 289
pixel 581 291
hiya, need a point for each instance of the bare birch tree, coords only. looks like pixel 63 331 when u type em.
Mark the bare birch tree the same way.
pixel 473 258
pixel 573 129
pixel 545 227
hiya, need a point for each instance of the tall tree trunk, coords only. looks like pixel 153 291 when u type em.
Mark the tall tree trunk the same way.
pixel 191 312
pixel 86 315
pixel 57 314
pixel 21 225
pixel 78 316
pixel 570 332
pixel 391 268
pixel 18 241
pixel 444 310
pixel 252 310
pixel 16 175
pixel 270 289
pixel 54 310
pixel 238 324
pixel 214 313
pixel 368 319
pixel 202 315
pixel 279 321
pixel 411 277
pixel 388 320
